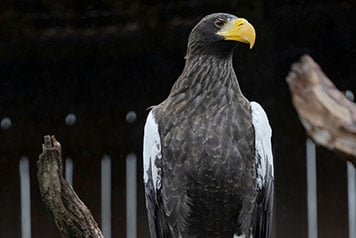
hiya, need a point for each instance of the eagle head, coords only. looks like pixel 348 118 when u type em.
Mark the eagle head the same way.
pixel 218 34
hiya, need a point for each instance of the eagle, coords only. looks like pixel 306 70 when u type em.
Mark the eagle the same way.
pixel 207 157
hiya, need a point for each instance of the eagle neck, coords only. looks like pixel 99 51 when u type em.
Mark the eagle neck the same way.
pixel 204 74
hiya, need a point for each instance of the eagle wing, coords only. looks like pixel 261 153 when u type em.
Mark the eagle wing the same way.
pixel 265 174
pixel 152 156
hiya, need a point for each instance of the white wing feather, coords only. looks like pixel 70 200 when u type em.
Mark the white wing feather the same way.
pixel 263 134
pixel 151 151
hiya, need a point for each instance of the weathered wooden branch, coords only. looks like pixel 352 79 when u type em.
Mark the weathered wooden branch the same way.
pixel 70 214
pixel 327 115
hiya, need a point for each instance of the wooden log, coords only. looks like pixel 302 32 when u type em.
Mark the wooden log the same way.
pixel 69 213
pixel 327 115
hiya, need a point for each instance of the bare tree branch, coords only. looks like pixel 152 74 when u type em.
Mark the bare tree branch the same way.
pixel 327 115
pixel 70 214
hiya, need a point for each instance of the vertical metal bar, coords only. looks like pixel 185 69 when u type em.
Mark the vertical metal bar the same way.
pixel 69 170
pixel 312 190
pixel 106 196
pixel 24 169
pixel 131 195
pixel 351 189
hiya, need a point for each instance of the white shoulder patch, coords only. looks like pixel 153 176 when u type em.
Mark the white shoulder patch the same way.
pixel 151 151
pixel 263 134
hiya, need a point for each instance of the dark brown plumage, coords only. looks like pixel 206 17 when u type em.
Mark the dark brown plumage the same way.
pixel 202 182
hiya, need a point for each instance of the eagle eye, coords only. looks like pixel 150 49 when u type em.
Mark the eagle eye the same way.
pixel 219 22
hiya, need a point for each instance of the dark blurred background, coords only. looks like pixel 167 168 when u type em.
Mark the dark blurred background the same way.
pixel 101 59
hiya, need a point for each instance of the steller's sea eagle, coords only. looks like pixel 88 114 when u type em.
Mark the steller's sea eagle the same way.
pixel 208 166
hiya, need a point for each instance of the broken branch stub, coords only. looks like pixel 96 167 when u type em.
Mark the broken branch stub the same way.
pixel 69 213
pixel 327 115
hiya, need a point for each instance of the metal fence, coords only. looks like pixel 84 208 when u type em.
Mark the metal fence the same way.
pixel 131 194
pixel 106 167
pixel 312 201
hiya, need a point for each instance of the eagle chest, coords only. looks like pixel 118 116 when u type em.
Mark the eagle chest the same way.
pixel 210 148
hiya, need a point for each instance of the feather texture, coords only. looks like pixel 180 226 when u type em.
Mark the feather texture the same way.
pixel 265 172
pixel 208 167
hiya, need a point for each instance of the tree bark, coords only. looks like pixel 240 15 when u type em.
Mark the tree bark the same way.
pixel 328 116
pixel 70 214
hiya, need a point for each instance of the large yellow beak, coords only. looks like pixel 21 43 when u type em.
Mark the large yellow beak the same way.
pixel 239 30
